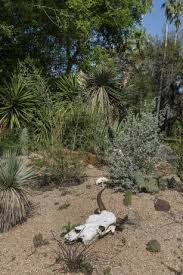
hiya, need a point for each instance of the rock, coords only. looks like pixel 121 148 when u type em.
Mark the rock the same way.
pixel 162 205
pixel 133 218
pixel 153 246
pixel 90 166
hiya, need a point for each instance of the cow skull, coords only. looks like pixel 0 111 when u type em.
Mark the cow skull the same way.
pixel 96 225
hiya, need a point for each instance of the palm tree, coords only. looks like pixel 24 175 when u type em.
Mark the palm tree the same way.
pixel 17 103
pixel 178 12
pixel 168 6
pixel 14 202
pixel 102 86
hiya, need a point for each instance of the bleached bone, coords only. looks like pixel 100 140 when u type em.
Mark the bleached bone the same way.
pixel 101 181
pixel 96 225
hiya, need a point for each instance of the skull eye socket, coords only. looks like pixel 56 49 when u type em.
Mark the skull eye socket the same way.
pixel 77 230
pixel 102 228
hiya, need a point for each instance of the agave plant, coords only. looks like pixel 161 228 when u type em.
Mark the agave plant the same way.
pixel 17 103
pixel 103 88
pixel 14 203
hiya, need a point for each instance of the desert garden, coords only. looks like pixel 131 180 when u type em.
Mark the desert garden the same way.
pixel 91 139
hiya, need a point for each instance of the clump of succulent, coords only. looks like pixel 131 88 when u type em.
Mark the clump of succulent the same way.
pixel 15 205
pixel 38 240
pixel 135 148
pixel 127 201
pixel 64 206
pixel 107 271
pixel 146 183
pixel 67 228
pixel 153 246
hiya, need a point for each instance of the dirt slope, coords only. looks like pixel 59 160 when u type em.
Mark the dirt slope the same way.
pixel 18 255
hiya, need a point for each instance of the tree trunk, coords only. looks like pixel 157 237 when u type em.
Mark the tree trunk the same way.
pixel 176 37
pixel 162 71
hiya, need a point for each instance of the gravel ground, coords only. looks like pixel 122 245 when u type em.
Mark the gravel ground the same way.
pixel 124 251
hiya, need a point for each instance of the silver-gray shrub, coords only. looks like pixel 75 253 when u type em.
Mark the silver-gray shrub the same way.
pixel 135 149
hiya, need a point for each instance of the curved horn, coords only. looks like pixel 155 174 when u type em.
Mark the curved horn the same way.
pixel 100 203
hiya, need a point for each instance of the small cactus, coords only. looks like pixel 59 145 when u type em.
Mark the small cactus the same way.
pixel 127 201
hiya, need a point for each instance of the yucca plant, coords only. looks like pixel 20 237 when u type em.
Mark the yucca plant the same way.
pixel 14 203
pixel 17 103
pixel 103 90
pixel 70 89
pixel 75 258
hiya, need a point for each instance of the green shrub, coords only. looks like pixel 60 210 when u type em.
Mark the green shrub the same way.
pixel 146 183
pixel 14 203
pixel 83 130
pixel 135 149
pixel 153 246
pixel 9 140
pixel 61 166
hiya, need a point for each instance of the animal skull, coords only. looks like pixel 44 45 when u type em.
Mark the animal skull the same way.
pixel 94 227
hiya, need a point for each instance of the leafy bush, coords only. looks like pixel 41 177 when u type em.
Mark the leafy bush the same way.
pixel 14 203
pixel 10 141
pixel 83 130
pixel 135 148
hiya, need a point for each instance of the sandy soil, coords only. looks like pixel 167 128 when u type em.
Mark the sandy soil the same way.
pixel 18 255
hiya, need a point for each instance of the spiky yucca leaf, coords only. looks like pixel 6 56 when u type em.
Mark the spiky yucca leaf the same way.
pixel 70 88
pixel 103 87
pixel 17 103
pixel 14 202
